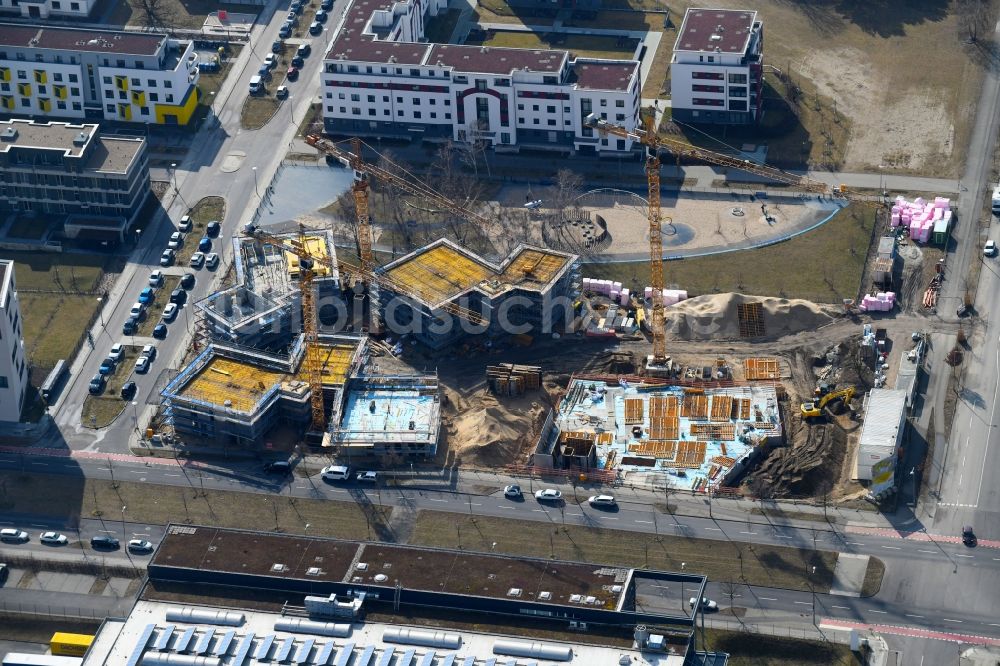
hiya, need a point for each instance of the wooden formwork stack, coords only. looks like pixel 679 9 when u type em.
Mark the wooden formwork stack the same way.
pixel 511 379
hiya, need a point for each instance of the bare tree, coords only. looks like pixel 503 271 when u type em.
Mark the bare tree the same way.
pixel 729 588
pixel 155 13
pixel 974 17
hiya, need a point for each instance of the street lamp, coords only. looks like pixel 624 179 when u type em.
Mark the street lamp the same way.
pixel 683 564
pixel 255 182
pixel 812 590
pixel 100 309
pixel 135 414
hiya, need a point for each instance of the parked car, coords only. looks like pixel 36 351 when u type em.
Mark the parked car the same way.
pixel 271 60
pixel 117 352
pixel 326 5
pixel 296 7
pixel 130 326
pixel 160 331
pixel 278 467
pixel 298 61
pixel 147 295
pixel 990 249
pixel 292 18
pixel 336 473
pixel 197 260
pixel 178 296
pixel 13 535
pixel 167 258
pixel 53 539
pixel 156 279
pixel 170 312
pixel 140 546
pixel 107 367
pixel 292 73
pixel 142 365
pixel 128 390
pixel 285 30
pixel 104 541
pixel 149 351
pixel 969 536
pixel 176 240
pixel 303 51
pixel 138 310
pixel 264 72
pixel 212 261
pixel 706 603
pixel 4 572
pixel 187 281
pixel 513 492
pixel 205 244
pixel 602 500
pixel 213 229
pixel 96 386
pixel 321 15
pixel 548 495
pixel 185 223
pixel 276 46
pixel 281 92
pixel 315 28
pixel 367 477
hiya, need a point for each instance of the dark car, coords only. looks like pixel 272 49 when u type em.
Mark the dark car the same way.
pixel 160 331
pixel 326 5
pixel 298 61
pixel 205 244
pixel 292 73
pixel 278 467
pixel 315 28
pixel 178 296
pixel 213 229
pixel 321 16
pixel 96 385
pixel 304 50
pixel 276 46
pixel 104 541
pixel 128 390
pixel 4 572
pixel 130 326
pixel 187 281
pixel 969 536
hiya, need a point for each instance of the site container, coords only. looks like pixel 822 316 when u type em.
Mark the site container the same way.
pixel 70 645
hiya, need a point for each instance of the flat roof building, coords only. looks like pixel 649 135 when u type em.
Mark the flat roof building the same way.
pixel 43 9
pixel 14 371
pixel 380 78
pixel 100 182
pixel 116 75
pixel 716 72
pixel 881 436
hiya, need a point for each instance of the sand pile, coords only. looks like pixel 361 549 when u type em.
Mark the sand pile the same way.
pixel 490 431
pixel 715 317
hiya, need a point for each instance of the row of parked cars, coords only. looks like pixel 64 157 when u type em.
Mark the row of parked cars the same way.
pixel 258 82
pixel 204 256
pixel 14 535
pixel 108 366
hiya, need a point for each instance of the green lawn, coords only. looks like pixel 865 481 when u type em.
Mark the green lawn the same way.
pixel 100 411
pixel 824 265
pixel 209 83
pixel 56 271
pixel 161 299
pixel 746 649
pixel 439 28
pixel 592 46
pixel 53 326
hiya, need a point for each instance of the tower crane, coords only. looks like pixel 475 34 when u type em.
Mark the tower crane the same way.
pixel 649 137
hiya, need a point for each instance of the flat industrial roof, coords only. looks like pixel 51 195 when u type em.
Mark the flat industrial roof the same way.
pixel 109 153
pixel 497 60
pixel 71 39
pixel 883 415
pixel 114 154
pixel 608 75
pixel 428 569
pixel 715 30
pixel 439 272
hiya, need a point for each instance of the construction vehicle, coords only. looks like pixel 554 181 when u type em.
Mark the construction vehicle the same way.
pixel 814 409
pixel 649 137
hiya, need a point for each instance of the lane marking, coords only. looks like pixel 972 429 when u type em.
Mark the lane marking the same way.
pixel 944 619
pixel 875 611
pixel 751 533
pixel 431 499
pixel 855 543
pixel 782 536
pixel 648 522
pixel 501 506
pixel 891 547
pixel 934 552
pixel 841 607
pixel 714 529
pixel 960 555
pixel 911 615
pixel 803 603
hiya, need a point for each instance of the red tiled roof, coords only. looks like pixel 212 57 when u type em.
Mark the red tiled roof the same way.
pixel 69 39
pixel 721 30
pixel 596 75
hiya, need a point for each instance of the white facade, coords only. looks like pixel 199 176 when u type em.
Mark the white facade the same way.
pixel 14 372
pixel 378 79
pixel 46 8
pixel 881 437
pixel 716 71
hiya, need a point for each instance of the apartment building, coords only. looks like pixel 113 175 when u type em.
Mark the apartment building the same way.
pixel 99 182
pixel 716 71
pixel 14 373
pixel 97 74
pixel 379 79
pixel 43 9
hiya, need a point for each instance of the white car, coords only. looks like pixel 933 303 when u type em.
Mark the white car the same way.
pixel 13 535
pixel 142 365
pixel 513 492
pixel 185 223
pixel 336 473
pixel 156 279
pixel 706 603
pixel 53 538
pixel 602 500
pixel 167 258
pixel 117 352
pixel 548 495
pixel 137 310
pixel 176 240
pixel 212 261
pixel 368 477
pixel 140 546
pixel 170 312
pixel 197 260
pixel 990 249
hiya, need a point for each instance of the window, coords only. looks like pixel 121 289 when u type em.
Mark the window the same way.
pixel 416 114
pixel 150 83
pixel 565 109
pixel 520 107
pixel 534 121
pixel 355 111
pixel 3 382
pixel 399 100
pixel 371 99
pixel 414 72
pixel 551 108
pixel 77 106
pixel 341 96
pixel 711 58
pixel 42 90
pixel 702 101
pixel 481 85
pixel 352 68
pixel 170 99
pixel 122 94
pixel 57 77
pixel 56 4
pixel 168 84
pixel 74 91
pixel 550 80
pixel 620 103
pixel 25 101
pixel 343 109
pixel 737 105
pixel 330 109
pixel 738 91
pixel 534 107
pixel 136 82
pixel 621 144
pixel 416 101
pixel 502 82
pixel 737 78
pixel 604 102
pixel 73 78
pixel 461 79
pixel 385 98
pixel 144 111
pixel 153 97
pixel 61 105
pixel 712 76
pixel 5 87
pixel 433 115
pixel 74 6
pixel 21 74
pixel 447 102
pixel 368 70
pixel 110 108
pixel 355 97
pixel 619 117
pixel 709 89
pixel 109 93
pixel 552 122
pixel 371 112
pixel 504 137
pixel 433 102
pixel 447 116
pixel 483 110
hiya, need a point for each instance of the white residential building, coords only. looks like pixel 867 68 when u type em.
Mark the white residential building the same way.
pixel 378 79
pixel 97 74
pixel 716 71
pixel 14 373
pixel 42 9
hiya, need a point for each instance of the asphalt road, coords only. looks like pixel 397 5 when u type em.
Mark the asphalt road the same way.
pixel 79 535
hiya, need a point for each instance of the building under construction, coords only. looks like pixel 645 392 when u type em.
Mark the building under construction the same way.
pixel 532 289
pixel 697 437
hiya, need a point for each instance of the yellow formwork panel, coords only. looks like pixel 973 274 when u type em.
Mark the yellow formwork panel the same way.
pixel 534 266
pixel 335 361
pixel 439 274
pixel 317 249
pixel 224 379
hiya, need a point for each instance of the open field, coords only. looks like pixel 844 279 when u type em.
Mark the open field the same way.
pixel 823 265
pixel 758 565
pixel 53 325
pixel 746 649
pixel 589 46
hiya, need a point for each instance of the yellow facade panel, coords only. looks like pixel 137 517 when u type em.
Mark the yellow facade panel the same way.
pixel 24 89
pixel 178 114
pixel 41 76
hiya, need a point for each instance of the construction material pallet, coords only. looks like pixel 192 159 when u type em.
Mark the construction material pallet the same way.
pixel 708 432
pixel 743 405
pixel 634 408
pixel 724 461
pixel 664 428
pixel 665 450
pixel 690 455
pixel 695 406
pixel 763 368
pixel 751 319
pixel 660 406
pixel 722 407
pixel 510 379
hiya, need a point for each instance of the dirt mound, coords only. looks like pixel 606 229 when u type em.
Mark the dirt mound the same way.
pixel 806 470
pixel 488 431
pixel 715 317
